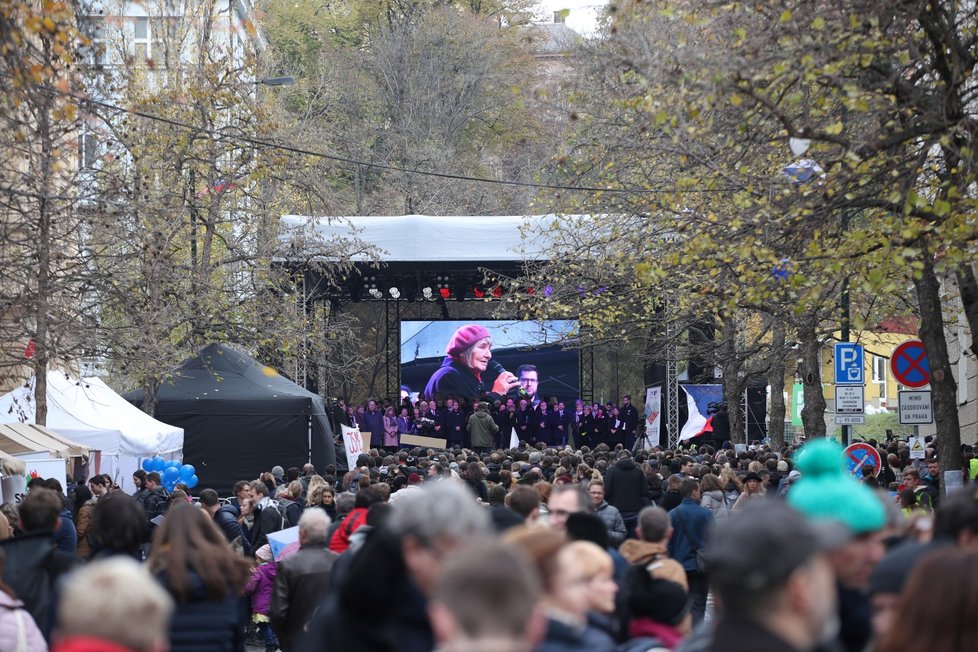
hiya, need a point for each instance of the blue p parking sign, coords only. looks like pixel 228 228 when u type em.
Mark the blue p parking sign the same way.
pixel 849 360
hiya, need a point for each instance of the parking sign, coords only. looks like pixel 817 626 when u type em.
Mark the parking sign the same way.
pixel 849 364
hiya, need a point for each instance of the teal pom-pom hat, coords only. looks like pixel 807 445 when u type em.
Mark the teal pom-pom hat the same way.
pixel 827 491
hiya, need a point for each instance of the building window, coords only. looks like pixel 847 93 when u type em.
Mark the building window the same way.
pixel 879 373
pixel 148 42
pixel 87 151
pixel 94 29
pixel 560 17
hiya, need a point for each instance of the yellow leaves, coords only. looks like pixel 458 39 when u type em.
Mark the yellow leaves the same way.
pixel 50 25
pixel 736 99
pixel 785 16
pixel 818 24
pixel 834 129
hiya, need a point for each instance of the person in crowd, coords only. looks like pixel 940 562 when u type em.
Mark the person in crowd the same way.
pixel 260 587
pixel 18 631
pixel 565 589
pixel 345 503
pixel 524 418
pixel 672 497
pixel 339 540
pixel 267 517
pixel 487 599
pixel 732 485
pixel 192 560
pixel 543 425
pixel 937 625
pixel 391 437
pixel 609 514
pixel 33 564
pixel 112 605
pixel 629 417
pixel 886 584
pixel 84 508
pixel 713 498
pixel 289 498
pixel 616 428
pixel 139 481
pixel 225 519
pixel 399 566
pixel 773 580
pixel 585 427
pixel 525 501
pixel 99 486
pixel 826 493
pixel 564 500
pixel 324 498
pixel 373 422
pixel 658 613
pixel 651 549
pixel 468 359
pixel 472 477
pixel 482 429
pixel 626 488
pixel 118 528
pixel 921 497
pixel 405 422
pixel 691 525
pixel 302 580
pixel 155 500
pixel 753 491
pixel 453 422
pixel 598 568
pixel 65 533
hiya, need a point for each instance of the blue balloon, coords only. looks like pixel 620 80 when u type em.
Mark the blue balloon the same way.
pixel 192 482
pixel 148 464
pixel 171 475
pixel 159 464
pixel 187 471
pixel 172 464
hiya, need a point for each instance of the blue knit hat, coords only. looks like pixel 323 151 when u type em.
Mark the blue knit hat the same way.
pixel 826 491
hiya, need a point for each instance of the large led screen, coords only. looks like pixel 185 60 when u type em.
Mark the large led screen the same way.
pixel 536 353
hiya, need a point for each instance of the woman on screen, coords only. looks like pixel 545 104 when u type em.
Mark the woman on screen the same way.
pixel 468 369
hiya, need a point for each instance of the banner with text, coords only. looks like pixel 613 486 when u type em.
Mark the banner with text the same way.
pixel 653 415
pixel 353 443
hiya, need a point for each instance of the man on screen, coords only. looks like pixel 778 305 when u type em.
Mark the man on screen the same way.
pixel 530 382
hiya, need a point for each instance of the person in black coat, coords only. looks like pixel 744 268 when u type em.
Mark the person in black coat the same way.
pixel 453 424
pixel 600 427
pixel 629 416
pixel 585 429
pixel 544 422
pixel 193 562
pixel 226 519
pixel 524 418
pixel 627 489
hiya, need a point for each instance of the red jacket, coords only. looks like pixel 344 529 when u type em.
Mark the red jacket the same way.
pixel 87 644
pixel 340 541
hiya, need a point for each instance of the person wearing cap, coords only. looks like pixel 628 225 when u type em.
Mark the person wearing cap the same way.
pixel 260 587
pixel 412 488
pixel 826 492
pixel 468 370
pixel 773 581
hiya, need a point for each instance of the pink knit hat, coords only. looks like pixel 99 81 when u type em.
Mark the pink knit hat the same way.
pixel 465 337
pixel 264 553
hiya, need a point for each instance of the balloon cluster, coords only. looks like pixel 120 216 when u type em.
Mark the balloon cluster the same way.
pixel 172 472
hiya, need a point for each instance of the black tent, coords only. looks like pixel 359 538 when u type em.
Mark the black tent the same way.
pixel 240 418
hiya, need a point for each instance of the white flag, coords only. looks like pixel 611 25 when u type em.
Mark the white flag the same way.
pixel 514 441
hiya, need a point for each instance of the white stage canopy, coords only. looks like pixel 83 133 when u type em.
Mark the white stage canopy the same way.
pixel 433 238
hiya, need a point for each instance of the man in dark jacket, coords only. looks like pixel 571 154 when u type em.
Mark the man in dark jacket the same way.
pixel 774 581
pixel 33 564
pixel 627 489
pixel 225 517
pixel 629 416
pixel 523 420
pixel 267 517
pixel 155 500
pixel 453 421
pixel 691 525
pixel 302 580
pixel 373 422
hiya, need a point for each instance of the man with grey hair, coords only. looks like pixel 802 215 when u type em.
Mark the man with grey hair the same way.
pixel 566 499
pixel 131 611
pixel 380 603
pixel 302 580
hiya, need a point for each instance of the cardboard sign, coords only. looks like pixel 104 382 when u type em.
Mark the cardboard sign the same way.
pixel 353 443
pixel 424 442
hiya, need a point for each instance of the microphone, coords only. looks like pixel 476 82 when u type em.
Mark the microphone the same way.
pixel 494 365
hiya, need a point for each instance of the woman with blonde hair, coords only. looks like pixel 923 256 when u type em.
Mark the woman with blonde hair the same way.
pixel 192 560
pixel 598 569
pixel 732 486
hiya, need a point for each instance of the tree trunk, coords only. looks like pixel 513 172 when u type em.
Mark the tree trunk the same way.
pixel 968 288
pixel 813 414
pixel 733 385
pixel 775 380
pixel 42 306
pixel 151 386
pixel 943 388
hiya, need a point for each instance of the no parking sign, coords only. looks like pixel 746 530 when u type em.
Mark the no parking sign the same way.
pixel 909 364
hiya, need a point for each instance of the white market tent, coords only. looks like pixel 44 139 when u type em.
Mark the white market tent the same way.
pixel 28 438
pixel 87 411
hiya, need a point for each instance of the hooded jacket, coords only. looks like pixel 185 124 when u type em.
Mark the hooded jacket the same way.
pixel 625 486
pixel 481 429
pixel 654 555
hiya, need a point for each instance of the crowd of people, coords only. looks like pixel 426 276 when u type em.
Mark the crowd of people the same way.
pixel 551 422
pixel 546 547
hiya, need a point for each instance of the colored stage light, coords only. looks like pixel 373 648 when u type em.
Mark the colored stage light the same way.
pixel 445 293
